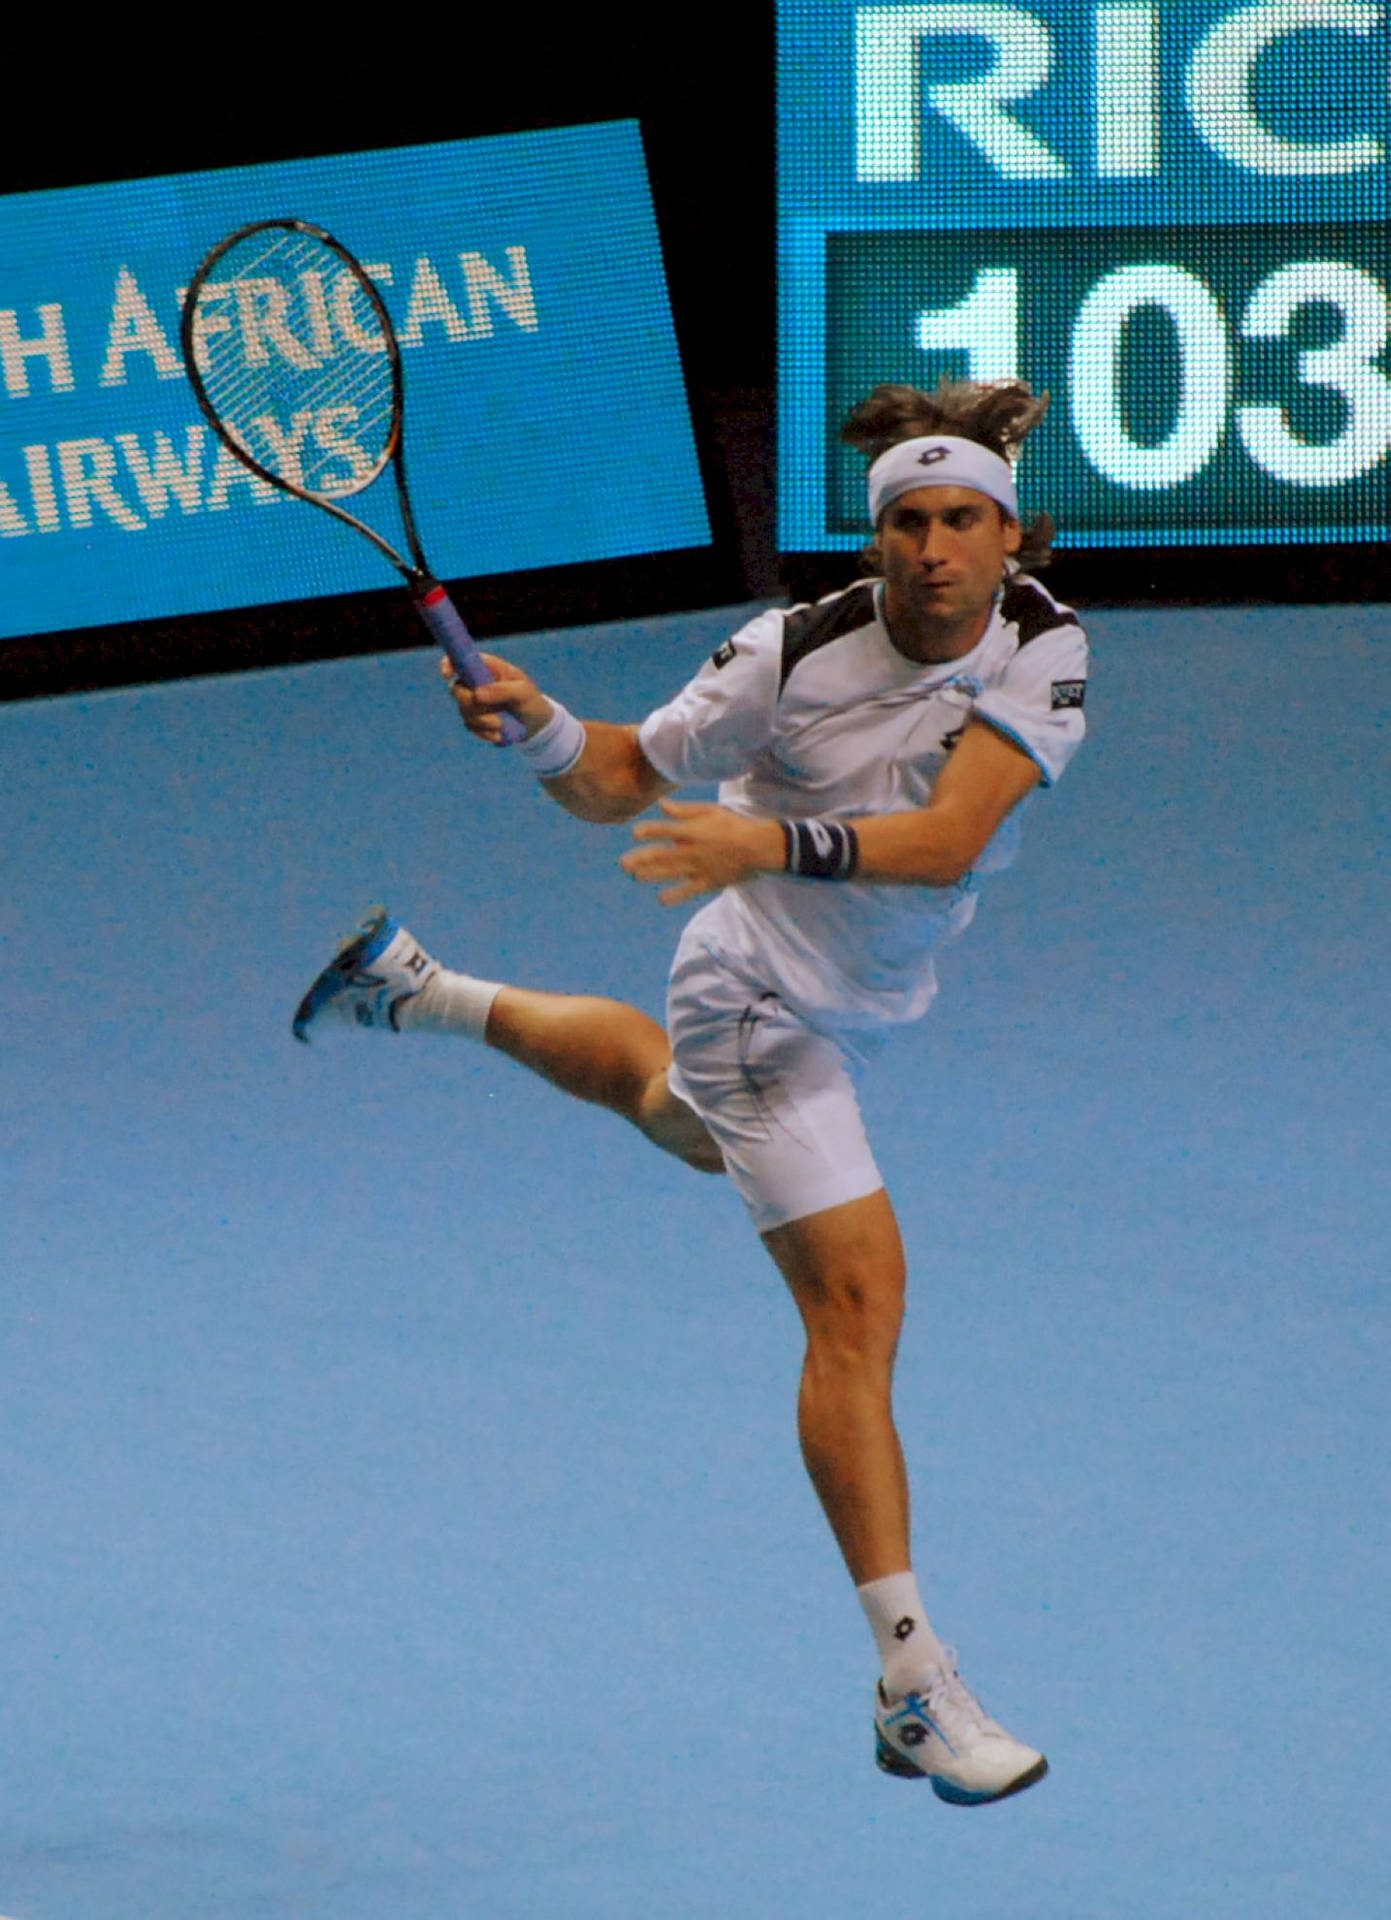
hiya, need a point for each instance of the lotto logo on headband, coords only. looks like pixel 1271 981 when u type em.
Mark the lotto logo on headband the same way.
pixel 955 463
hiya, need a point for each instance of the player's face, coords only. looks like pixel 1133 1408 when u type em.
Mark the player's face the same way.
pixel 943 552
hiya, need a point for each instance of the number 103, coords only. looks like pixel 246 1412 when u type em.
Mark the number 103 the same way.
pixel 1203 366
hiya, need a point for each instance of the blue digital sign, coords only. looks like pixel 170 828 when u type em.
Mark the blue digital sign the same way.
pixel 1171 217
pixel 546 416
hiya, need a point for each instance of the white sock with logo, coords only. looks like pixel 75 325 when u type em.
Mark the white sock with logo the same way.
pixel 449 1003
pixel 908 1648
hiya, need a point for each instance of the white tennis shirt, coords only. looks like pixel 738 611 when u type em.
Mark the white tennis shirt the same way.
pixel 813 710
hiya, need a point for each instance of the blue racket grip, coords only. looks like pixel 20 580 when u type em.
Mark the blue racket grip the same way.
pixel 443 619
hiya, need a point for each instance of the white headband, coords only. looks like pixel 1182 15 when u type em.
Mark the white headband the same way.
pixel 940 460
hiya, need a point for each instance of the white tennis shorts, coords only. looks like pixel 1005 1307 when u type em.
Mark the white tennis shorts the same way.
pixel 778 1097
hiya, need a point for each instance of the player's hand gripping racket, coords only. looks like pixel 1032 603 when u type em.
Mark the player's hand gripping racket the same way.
pixel 293 358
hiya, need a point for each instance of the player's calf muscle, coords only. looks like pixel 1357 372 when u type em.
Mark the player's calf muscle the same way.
pixel 598 1050
pixel 607 1053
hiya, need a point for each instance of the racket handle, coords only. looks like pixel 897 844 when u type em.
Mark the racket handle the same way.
pixel 445 622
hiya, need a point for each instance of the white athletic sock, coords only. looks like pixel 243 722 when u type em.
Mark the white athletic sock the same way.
pixel 449 1003
pixel 908 1648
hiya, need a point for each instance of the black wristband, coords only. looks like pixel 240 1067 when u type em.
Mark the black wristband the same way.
pixel 820 849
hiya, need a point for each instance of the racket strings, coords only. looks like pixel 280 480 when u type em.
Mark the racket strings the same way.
pixel 294 363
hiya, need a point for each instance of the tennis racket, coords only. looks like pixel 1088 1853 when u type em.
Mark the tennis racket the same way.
pixel 293 358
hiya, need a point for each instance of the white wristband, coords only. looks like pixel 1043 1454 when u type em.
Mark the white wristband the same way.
pixel 556 748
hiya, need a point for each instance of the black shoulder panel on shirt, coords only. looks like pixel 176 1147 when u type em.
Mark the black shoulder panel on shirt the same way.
pixel 807 628
pixel 1027 606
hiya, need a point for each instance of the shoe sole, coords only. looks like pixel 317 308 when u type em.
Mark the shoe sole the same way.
pixel 889 1760
pixel 955 1797
pixel 344 962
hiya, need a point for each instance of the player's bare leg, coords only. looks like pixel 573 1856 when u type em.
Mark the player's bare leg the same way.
pixel 845 1268
pixel 598 1050
pixel 606 1052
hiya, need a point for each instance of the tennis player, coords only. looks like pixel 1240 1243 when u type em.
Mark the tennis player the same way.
pixel 873 752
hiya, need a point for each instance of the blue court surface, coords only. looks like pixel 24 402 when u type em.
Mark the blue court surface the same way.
pixel 401 1508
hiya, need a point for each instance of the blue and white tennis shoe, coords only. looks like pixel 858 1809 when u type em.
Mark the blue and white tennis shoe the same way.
pixel 943 1734
pixel 373 971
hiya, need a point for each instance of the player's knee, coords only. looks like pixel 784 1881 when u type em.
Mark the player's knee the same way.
pixel 852 1348
pixel 853 1316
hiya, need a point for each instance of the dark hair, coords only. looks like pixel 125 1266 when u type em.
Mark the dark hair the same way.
pixel 998 414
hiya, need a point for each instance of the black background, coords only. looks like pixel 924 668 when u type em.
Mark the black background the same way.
pixel 701 84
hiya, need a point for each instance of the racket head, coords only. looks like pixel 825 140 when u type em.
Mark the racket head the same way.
pixel 293 359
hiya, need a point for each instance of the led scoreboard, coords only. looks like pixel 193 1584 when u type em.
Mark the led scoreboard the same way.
pixel 1170 214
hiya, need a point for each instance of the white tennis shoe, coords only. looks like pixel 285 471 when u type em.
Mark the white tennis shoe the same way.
pixel 373 971
pixel 943 1734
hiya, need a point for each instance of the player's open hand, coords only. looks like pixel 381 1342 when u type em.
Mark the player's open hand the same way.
pixel 698 849
pixel 510 691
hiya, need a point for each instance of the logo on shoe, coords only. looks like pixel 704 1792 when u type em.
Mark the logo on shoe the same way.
pixel 912 1733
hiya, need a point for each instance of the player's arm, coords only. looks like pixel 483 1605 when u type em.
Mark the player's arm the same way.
pixel 698 848
pixel 612 779
pixel 985 778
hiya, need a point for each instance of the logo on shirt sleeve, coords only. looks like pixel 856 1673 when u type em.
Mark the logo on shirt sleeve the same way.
pixel 722 656
pixel 1068 693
